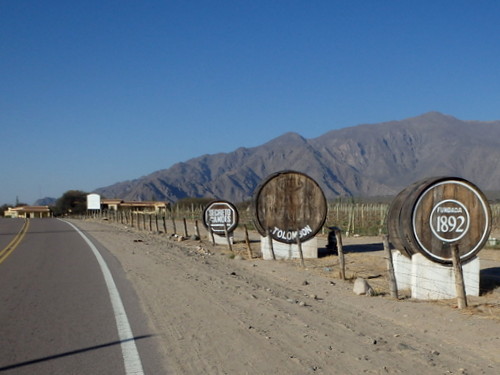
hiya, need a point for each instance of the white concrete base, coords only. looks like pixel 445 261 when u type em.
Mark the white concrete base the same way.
pixel 402 270
pixel 429 280
pixel 289 251
pixel 222 240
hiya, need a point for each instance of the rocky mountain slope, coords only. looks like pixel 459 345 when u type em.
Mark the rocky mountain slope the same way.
pixel 364 160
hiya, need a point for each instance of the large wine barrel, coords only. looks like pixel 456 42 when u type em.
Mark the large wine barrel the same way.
pixel 287 203
pixel 431 215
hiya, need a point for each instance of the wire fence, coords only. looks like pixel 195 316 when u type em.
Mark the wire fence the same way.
pixel 353 219
pixel 361 218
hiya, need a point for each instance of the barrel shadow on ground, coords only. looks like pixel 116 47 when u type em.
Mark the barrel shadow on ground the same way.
pixel 489 279
pixel 358 248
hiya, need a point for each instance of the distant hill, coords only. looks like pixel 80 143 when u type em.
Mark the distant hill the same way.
pixel 364 160
pixel 47 201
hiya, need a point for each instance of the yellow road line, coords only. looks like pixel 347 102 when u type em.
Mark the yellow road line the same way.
pixel 15 241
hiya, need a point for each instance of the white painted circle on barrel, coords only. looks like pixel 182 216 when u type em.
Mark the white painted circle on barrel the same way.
pixel 444 221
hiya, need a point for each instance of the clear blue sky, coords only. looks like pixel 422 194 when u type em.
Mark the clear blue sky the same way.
pixel 97 92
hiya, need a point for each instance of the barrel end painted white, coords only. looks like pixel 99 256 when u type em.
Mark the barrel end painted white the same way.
pixel 289 251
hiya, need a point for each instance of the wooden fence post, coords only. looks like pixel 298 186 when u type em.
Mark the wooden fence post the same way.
pixel 247 241
pixel 270 242
pixel 338 235
pixel 390 267
pixel 211 233
pixel 299 244
pixel 459 277
pixel 196 229
pixel 173 224
pixel 185 228
pixel 226 233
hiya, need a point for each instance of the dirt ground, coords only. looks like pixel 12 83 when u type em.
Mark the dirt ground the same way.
pixel 218 312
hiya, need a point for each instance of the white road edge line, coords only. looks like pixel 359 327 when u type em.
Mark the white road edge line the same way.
pixel 131 358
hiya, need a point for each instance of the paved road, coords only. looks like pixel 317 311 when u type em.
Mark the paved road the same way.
pixel 56 313
pixel 8 230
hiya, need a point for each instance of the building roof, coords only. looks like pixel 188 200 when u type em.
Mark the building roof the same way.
pixel 111 201
pixel 31 209
pixel 144 204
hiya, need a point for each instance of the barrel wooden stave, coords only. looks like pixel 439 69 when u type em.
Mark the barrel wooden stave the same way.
pixel 287 202
pixel 396 222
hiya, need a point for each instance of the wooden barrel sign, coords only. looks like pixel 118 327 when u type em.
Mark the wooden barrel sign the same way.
pixel 431 215
pixel 288 204
pixel 220 216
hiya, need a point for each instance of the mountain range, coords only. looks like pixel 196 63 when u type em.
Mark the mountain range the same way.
pixel 360 161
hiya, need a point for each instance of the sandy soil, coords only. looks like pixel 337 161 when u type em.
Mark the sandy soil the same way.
pixel 216 313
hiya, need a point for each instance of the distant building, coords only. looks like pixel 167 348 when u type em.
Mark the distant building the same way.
pixel 28 212
pixel 110 204
pixel 144 206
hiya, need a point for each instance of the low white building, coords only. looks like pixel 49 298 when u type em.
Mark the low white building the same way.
pixel 28 212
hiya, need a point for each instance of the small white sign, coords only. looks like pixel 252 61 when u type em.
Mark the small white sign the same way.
pixel 93 202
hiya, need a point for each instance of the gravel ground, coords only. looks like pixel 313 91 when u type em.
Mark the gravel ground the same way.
pixel 218 312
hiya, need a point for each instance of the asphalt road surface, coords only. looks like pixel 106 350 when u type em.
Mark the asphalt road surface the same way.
pixel 65 305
